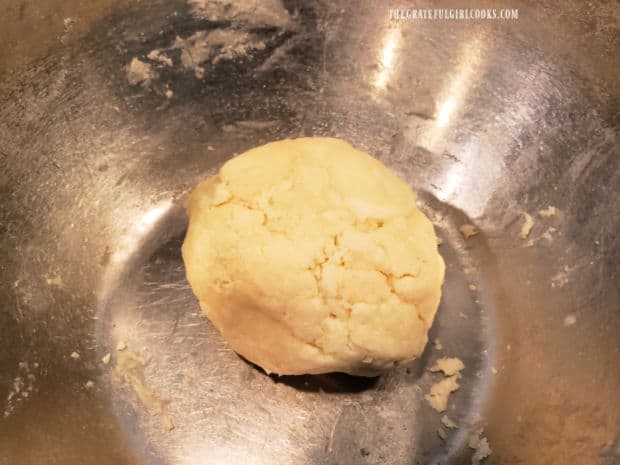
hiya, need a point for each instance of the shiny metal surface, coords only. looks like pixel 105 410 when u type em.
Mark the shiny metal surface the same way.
pixel 486 120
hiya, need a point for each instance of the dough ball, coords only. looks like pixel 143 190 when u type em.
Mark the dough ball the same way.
pixel 310 256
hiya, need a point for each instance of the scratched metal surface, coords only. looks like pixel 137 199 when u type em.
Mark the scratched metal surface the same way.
pixel 485 120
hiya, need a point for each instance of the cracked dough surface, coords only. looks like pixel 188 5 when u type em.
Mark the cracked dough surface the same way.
pixel 310 256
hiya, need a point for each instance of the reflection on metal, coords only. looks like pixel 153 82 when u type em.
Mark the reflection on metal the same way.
pixel 148 219
pixel 457 172
pixel 131 241
pixel 145 223
pixel 445 111
pixel 450 182
pixel 387 57
pixel 451 100
pixel 454 94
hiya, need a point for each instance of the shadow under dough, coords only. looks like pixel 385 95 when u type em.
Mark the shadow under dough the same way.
pixel 328 382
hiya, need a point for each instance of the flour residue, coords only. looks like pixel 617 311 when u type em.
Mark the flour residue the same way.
pixel 197 51
pixel 22 385
pixel 480 445
pixel 253 12
pixel 214 46
pixel 68 24
pixel 209 47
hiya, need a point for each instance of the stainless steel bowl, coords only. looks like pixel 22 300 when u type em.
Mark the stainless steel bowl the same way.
pixel 486 119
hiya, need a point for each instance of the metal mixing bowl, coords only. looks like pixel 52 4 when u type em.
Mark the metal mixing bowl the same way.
pixel 487 120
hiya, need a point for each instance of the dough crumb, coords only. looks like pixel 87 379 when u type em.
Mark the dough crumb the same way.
pixel 528 224
pixel 448 365
pixel 122 345
pixel 472 287
pixel 68 23
pixel 548 234
pixel 547 212
pixel 57 281
pixel 89 384
pixel 570 320
pixel 437 344
pixel 75 355
pixel 468 230
pixel 139 72
pixel 447 422
pixel 561 278
pixel 156 55
pixel 130 370
pixel 462 315
pixel 106 358
pixel 494 370
pixel 167 422
pixel 481 447
pixel 438 396
pixel 439 240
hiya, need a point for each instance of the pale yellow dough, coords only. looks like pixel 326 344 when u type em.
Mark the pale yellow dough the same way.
pixel 310 256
